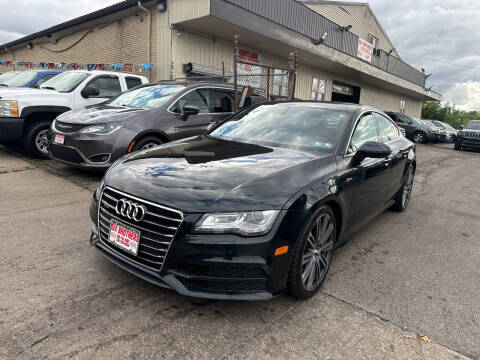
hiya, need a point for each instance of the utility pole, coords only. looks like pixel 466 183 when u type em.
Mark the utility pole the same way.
pixel 235 73
pixel 292 72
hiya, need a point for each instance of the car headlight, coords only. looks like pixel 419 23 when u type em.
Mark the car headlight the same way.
pixel 242 223
pixel 8 108
pixel 103 129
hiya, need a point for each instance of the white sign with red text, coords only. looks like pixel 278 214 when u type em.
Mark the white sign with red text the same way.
pixel 365 50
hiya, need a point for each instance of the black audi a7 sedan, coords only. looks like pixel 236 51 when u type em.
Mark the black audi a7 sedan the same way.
pixel 256 206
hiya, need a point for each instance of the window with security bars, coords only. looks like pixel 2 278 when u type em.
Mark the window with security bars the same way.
pixel 318 89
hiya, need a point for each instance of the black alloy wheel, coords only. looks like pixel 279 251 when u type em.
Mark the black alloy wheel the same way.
pixel 313 254
pixel 419 137
pixel 405 193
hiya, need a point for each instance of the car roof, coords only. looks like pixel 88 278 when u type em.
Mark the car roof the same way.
pixel 101 72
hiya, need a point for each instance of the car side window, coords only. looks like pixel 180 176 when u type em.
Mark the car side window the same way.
pixel 221 100
pixel 132 82
pixel 388 131
pixel 366 130
pixel 193 98
pixel 404 119
pixel 107 86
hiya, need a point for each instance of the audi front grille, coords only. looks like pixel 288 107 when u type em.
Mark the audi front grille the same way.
pixel 158 227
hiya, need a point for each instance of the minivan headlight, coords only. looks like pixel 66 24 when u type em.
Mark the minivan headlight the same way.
pixel 102 129
pixel 242 223
pixel 8 108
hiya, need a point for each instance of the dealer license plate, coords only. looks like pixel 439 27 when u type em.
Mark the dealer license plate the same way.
pixel 60 139
pixel 124 237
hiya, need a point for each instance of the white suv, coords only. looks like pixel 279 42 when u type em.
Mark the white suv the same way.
pixel 26 115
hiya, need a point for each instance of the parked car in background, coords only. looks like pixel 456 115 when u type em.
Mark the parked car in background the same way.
pixel 415 130
pixel 29 78
pixel 27 115
pixel 8 75
pixel 450 130
pixel 141 118
pixel 258 205
pixel 439 133
pixel 469 136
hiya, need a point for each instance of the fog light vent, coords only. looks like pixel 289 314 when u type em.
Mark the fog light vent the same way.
pixel 100 158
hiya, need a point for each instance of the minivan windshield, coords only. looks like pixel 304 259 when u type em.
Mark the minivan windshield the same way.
pixel 473 125
pixel 302 126
pixel 65 82
pixel 147 96
pixel 21 79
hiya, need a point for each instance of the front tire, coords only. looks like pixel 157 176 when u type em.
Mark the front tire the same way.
pixel 35 140
pixel 313 254
pixel 146 143
pixel 419 137
pixel 403 197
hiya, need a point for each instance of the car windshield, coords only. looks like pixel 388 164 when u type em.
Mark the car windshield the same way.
pixel 473 125
pixel 7 76
pixel 302 126
pixel 65 82
pixel 21 79
pixel 148 97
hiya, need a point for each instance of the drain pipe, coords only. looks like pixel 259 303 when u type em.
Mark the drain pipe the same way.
pixel 149 36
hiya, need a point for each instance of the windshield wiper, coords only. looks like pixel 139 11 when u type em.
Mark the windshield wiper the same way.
pixel 4 85
pixel 49 88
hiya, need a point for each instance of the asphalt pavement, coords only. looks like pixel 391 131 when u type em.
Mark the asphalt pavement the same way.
pixel 404 274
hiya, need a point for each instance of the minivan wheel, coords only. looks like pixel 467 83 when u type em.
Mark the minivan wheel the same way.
pixel 403 196
pixel 36 140
pixel 313 254
pixel 147 142
pixel 419 137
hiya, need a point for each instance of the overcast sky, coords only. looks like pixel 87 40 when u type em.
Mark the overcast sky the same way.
pixel 428 34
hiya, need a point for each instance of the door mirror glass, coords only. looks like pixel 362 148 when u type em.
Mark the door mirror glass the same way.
pixel 90 91
pixel 371 149
pixel 189 110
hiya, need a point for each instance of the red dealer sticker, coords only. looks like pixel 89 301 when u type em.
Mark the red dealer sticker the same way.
pixel 124 237
pixel 59 139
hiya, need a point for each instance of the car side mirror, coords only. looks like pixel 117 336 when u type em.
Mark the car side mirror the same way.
pixel 371 149
pixel 189 110
pixel 90 91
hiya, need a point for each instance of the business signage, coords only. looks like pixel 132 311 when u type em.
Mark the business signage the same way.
pixel 248 73
pixel 365 50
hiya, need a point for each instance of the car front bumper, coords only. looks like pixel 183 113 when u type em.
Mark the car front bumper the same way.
pixel 468 142
pixel 11 129
pixel 212 266
pixel 89 150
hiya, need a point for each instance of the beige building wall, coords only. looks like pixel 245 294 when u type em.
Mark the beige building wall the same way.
pixel 123 41
pixel 360 17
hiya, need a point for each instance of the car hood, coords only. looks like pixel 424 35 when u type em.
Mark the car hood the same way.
pixel 98 114
pixel 18 93
pixel 205 174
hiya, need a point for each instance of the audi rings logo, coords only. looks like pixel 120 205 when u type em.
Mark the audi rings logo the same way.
pixel 131 210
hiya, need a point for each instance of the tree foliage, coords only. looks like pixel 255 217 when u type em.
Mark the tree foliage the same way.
pixel 436 111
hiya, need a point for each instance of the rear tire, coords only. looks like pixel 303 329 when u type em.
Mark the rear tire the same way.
pixel 147 142
pixel 312 254
pixel 35 140
pixel 402 199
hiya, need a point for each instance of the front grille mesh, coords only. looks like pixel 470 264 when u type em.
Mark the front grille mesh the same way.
pixel 472 135
pixel 65 153
pixel 158 228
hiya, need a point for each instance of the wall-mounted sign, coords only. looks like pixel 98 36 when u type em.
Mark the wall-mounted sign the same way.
pixel 365 50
